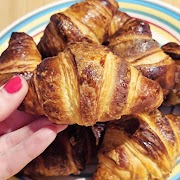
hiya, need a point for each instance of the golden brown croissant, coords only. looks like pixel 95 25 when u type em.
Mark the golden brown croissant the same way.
pixel 139 147
pixel 21 57
pixel 84 21
pixel 87 83
pixel 173 50
pixel 117 22
pixel 134 43
pixel 68 154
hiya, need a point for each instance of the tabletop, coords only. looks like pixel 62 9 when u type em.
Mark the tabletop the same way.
pixel 11 10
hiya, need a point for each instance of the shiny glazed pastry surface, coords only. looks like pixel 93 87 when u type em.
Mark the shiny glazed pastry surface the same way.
pixel 21 57
pixel 142 146
pixel 83 82
pixel 84 21
pixel 68 154
pixel 173 50
pixel 133 42
pixel 87 83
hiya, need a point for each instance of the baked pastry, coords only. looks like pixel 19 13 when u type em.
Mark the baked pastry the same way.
pixel 84 21
pixel 69 154
pixel 84 84
pixel 117 22
pixel 87 83
pixel 21 57
pixel 173 50
pixel 142 146
pixel 133 42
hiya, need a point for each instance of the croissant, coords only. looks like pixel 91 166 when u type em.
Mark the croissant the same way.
pixel 21 57
pixel 68 154
pixel 84 21
pixel 134 43
pixel 173 50
pixel 117 22
pixel 87 83
pixel 139 147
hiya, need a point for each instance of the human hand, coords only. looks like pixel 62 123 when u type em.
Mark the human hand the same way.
pixel 22 136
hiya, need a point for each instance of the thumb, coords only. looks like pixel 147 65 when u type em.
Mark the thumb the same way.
pixel 11 96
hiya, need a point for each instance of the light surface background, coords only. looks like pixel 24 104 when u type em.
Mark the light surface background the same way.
pixel 11 10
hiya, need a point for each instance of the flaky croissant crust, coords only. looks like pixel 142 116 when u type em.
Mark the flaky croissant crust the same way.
pixel 21 57
pixel 87 83
pixel 69 154
pixel 133 42
pixel 84 84
pixel 84 21
pixel 173 50
pixel 145 146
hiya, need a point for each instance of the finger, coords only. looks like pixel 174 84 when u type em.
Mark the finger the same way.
pixel 15 121
pixel 11 96
pixel 9 140
pixel 13 160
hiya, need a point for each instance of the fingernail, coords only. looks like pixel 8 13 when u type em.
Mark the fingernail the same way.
pixel 14 85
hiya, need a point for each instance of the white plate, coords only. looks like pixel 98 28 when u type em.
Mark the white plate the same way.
pixel 165 25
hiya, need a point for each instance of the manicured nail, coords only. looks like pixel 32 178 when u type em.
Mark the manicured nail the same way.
pixel 14 85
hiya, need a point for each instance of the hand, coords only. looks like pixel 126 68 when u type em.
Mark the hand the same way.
pixel 22 136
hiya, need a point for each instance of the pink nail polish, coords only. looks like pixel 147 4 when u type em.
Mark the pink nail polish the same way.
pixel 13 85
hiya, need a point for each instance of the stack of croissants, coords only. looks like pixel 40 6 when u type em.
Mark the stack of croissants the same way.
pixel 100 71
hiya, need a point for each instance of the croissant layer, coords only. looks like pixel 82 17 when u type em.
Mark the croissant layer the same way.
pixel 68 154
pixel 87 83
pixel 21 57
pixel 173 50
pixel 84 21
pixel 133 42
pixel 146 143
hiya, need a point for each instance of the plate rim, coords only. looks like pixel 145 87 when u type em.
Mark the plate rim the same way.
pixel 42 8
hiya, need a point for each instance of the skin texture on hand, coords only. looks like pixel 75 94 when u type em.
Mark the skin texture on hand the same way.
pixel 22 136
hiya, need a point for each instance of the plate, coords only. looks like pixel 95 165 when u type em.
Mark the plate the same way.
pixel 164 21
